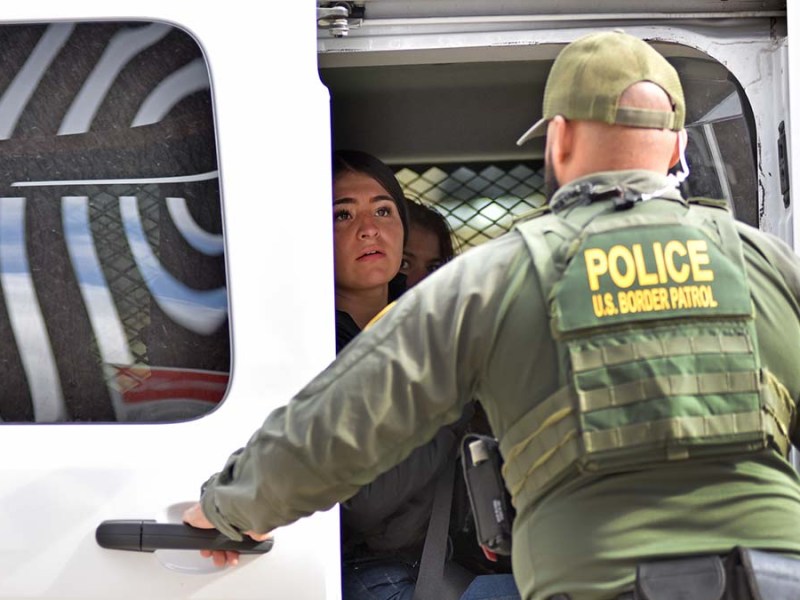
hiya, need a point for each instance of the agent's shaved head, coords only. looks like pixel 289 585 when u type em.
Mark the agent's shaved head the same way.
pixel 576 148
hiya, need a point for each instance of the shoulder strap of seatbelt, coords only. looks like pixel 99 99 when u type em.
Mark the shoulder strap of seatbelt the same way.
pixel 432 582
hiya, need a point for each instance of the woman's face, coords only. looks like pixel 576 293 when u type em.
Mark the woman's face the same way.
pixel 422 256
pixel 367 233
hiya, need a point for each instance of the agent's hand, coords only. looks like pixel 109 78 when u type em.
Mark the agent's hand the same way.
pixel 195 517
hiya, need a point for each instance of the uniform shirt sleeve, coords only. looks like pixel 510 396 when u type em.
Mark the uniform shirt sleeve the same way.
pixel 774 274
pixel 387 393
pixel 777 253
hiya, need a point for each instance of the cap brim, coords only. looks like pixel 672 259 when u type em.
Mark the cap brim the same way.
pixel 537 130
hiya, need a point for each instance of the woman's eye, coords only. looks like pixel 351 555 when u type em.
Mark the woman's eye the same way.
pixel 383 211
pixel 434 265
pixel 404 264
pixel 340 215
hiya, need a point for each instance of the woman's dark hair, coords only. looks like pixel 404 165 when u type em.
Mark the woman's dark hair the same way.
pixel 431 219
pixel 356 161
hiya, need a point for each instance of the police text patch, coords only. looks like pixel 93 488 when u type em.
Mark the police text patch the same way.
pixel 649 273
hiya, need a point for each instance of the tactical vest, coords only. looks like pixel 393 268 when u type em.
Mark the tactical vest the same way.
pixel 654 325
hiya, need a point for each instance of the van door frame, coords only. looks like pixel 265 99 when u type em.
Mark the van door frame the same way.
pixel 793 108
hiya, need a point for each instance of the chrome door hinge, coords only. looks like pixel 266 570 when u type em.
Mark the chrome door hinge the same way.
pixel 338 16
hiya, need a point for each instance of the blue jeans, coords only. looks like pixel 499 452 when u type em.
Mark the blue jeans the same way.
pixel 378 580
pixel 395 580
pixel 492 587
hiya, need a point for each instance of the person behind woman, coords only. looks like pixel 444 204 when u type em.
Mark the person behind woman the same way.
pixel 429 244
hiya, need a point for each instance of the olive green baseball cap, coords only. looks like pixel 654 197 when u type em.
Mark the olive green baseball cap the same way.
pixel 590 74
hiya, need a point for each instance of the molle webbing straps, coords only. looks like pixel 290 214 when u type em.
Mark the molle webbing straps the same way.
pixel 652 316
pixel 782 420
pixel 545 442
pixel 592 431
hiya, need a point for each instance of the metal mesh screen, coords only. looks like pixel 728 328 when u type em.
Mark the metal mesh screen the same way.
pixel 132 298
pixel 480 201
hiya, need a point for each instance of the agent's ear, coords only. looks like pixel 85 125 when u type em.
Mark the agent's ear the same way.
pixel 680 146
pixel 560 140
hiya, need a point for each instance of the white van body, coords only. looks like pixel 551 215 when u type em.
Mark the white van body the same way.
pixel 273 123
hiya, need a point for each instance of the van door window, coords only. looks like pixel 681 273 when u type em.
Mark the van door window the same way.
pixel 113 296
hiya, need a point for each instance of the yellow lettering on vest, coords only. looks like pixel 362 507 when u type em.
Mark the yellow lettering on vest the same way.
pixel 611 308
pixel 675 262
pixel 644 300
pixel 708 292
pixel 622 299
pixel 596 265
pixel 597 305
pixel 661 300
pixel 690 296
pixel 677 274
pixel 645 278
pixel 621 279
pixel 641 301
pixel 698 256
pixel 631 301
pixel 647 300
pixel 675 297
pixel 661 267
pixel 603 305
pixel 656 299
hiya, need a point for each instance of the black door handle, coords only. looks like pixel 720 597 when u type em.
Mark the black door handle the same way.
pixel 143 535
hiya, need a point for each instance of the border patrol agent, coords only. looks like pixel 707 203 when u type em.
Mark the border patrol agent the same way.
pixel 637 355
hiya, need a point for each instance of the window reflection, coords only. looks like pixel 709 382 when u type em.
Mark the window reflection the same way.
pixel 113 297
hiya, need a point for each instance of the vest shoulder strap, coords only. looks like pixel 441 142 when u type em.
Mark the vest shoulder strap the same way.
pixel 543 236
pixel 709 202
pixel 534 213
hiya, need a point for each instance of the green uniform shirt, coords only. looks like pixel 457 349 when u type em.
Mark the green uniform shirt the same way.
pixel 478 328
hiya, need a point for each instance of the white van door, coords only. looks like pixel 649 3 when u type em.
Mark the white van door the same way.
pixel 141 340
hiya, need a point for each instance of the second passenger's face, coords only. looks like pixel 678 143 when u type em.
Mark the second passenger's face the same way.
pixel 422 255
pixel 367 233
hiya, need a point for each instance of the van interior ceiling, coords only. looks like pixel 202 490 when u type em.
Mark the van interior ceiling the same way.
pixel 450 108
